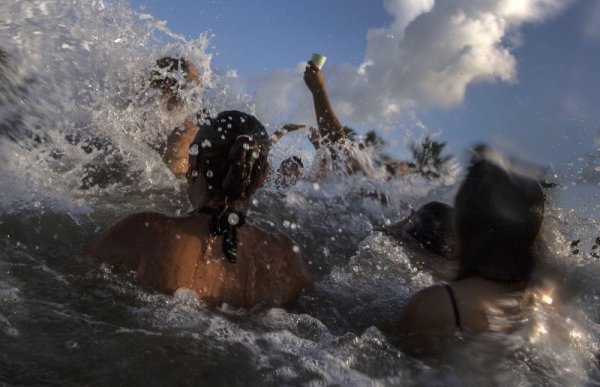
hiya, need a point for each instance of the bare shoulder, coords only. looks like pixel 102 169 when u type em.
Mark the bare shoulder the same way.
pixel 269 241
pixel 282 249
pixel 428 311
pixel 117 243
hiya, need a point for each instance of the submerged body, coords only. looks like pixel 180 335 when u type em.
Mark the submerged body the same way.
pixel 178 252
pixel 472 305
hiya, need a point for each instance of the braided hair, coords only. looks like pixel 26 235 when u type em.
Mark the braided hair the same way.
pixel 231 151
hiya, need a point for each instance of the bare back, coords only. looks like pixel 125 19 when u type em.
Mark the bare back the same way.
pixel 178 252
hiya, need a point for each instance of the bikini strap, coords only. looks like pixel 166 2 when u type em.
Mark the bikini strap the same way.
pixel 454 306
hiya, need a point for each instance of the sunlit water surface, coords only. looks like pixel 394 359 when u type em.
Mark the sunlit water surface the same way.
pixel 73 79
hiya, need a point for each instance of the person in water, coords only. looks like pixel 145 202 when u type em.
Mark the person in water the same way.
pixel 330 133
pixel 168 82
pixel 289 172
pixel 172 76
pixel 213 251
pixel 497 218
pixel 430 226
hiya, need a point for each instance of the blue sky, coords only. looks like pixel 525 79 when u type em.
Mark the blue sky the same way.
pixel 541 104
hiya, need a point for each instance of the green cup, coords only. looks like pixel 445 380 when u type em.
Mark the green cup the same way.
pixel 318 60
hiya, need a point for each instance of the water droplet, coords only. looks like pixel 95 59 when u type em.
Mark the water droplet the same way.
pixel 229 126
pixel 388 222
pixel 296 249
pixel 146 224
pixel 255 154
pixel 233 219
pixel 193 150
pixel 206 144
pixel 316 186
pixel 246 146
pixel 242 120
pixel 177 236
pixel 222 137
pixel 72 344
pixel 194 173
pixel 219 129
pixel 209 173
pixel 286 224
pixel 255 202
pixel 230 118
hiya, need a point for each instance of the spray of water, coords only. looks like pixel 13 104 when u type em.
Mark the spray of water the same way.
pixel 78 123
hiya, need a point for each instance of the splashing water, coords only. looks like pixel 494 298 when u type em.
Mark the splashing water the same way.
pixel 77 126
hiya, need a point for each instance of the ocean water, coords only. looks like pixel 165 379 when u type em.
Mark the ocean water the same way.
pixel 75 124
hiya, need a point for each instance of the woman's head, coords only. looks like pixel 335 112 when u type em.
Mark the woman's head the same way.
pixel 498 215
pixel 172 75
pixel 228 159
pixel 289 172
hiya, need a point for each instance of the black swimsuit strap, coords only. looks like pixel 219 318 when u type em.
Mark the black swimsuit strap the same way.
pixel 454 306
pixel 225 222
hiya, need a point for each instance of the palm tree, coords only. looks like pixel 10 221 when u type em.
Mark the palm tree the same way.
pixel 349 133
pixel 429 161
pixel 374 140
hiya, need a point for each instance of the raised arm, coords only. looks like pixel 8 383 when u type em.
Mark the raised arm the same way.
pixel 279 133
pixel 330 128
pixel 175 152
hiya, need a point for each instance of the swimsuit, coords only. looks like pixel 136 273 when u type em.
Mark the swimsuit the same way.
pixel 454 306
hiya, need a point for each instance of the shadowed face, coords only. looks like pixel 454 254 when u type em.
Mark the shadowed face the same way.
pixel 172 78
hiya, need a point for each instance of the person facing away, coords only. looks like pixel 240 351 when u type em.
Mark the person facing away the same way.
pixel 497 219
pixel 213 251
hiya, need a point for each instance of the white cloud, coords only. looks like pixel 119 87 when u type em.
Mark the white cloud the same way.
pixel 429 55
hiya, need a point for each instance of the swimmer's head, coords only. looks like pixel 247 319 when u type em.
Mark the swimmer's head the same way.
pixel 228 159
pixel 431 226
pixel 171 76
pixel 498 216
pixel 289 172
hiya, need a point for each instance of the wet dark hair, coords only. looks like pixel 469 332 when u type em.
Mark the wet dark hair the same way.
pixel 431 226
pixel 289 172
pixel 498 216
pixel 292 162
pixel 232 154
pixel 162 77
pixel 231 151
